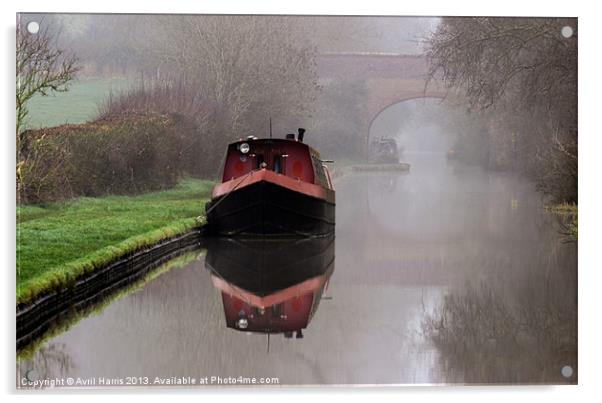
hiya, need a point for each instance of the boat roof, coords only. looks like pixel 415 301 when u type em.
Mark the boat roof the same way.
pixel 275 140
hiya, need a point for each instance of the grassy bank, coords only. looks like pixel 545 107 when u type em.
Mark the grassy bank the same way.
pixel 57 242
pixel 570 212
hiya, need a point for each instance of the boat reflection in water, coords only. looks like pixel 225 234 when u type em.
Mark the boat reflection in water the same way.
pixel 270 286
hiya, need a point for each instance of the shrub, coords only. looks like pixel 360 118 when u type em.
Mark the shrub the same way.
pixel 203 130
pixel 123 153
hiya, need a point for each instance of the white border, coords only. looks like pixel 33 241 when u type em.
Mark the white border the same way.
pixel 590 144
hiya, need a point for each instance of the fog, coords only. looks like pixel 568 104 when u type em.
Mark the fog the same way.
pixel 417 125
pixel 330 33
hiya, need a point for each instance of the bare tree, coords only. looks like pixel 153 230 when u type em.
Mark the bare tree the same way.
pixel 497 58
pixel 525 70
pixel 41 69
pixel 251 67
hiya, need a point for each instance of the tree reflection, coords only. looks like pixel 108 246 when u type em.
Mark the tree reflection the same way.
pixel 509 330
pixel 49 362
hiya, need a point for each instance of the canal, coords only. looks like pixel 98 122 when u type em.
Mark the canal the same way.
pixel 445 274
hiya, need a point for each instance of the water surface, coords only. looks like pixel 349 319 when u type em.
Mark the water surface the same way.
pixel 445 274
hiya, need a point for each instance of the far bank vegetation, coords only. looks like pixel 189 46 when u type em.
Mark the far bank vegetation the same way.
pixel 518 77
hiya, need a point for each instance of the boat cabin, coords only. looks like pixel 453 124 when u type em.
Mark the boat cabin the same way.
pixel 288 156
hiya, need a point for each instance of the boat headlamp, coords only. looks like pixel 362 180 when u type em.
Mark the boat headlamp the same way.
pixel 244 148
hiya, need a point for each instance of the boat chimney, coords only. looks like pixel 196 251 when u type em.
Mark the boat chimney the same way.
pixel 290 136
pixel 300 135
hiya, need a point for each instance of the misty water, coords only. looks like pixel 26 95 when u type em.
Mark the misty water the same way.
pixel 445 274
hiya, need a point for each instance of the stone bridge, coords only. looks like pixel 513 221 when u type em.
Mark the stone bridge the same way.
pixel 389 77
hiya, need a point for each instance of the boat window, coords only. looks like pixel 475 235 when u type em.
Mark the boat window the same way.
pixel 259 160
pixel 277 164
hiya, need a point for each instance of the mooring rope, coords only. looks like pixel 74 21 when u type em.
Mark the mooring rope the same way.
pixel 230 191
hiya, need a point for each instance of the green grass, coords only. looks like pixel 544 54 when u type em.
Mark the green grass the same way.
pixel 563 208
pixel 58 242
pixel 78 105
pixel 571 212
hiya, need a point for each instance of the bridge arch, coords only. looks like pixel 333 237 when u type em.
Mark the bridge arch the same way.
pixel 390 78
pixel 377 113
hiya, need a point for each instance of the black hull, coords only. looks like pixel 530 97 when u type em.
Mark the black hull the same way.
pixel 265 266
pixel 268 209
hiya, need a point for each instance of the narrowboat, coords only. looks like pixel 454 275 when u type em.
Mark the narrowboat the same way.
pixel 270 286
pixel 272 187
pixel 384 151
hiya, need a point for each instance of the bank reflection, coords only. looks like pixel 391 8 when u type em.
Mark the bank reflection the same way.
pixel 270 286
pixel 50 362
pixel 517 328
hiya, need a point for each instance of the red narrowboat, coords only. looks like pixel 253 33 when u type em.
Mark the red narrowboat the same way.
pixel 273 187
